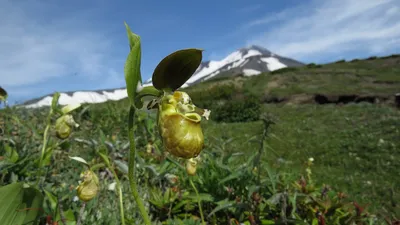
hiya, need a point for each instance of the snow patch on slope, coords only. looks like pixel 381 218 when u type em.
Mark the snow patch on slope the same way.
pixel 250 72
pixel 273 63
pixel 251 53
pixel 212 66
pixel 82 97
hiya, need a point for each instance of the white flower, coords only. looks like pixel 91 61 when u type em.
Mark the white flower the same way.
pixel 111 187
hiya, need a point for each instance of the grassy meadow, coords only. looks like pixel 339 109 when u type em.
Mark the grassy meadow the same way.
pixel 255 166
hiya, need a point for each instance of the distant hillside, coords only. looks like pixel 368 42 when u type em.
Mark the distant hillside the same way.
pixel 375 80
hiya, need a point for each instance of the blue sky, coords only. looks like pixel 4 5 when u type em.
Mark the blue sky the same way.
pixel 55 45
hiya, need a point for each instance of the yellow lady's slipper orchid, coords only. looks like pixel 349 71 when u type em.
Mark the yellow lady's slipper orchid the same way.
pixel 64 126
pixel 89 187
pixel 179 125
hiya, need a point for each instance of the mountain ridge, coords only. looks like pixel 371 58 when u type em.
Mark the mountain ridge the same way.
pixel 247 61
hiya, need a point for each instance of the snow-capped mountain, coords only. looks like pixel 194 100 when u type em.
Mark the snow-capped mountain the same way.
pixel 248 61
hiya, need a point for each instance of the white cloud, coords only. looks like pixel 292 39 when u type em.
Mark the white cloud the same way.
pixel 36 46
pixel 331 26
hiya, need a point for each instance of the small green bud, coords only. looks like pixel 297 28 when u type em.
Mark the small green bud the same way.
pixel 191 167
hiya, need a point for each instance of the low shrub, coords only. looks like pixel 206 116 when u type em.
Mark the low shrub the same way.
pixel 238 110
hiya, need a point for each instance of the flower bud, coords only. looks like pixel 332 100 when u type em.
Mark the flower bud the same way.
pixel 89 186
pixel 64 126
pixel 179 125
pixel 149 148
pixel 191 166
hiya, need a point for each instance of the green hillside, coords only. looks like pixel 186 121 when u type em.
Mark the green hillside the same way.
pixel 342 114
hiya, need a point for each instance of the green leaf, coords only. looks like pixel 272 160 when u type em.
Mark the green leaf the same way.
pixel 69 217
pixel 132 65
pixel 232 176
pixel 47 157
pixel 146 91
pixel 202 197
pixel 54 101
pixel 105 158
pixel 23 205
pixel 221 206
pixel 97 166
pixel 175 69
pixel 176 163
pixel 69 108
pixel 122 166
pixel 52 199
pixel 265 222
pixel 79 159
pixel 11 153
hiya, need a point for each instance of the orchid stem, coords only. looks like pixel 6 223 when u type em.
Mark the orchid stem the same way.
pixel 132 167
pixel 198 201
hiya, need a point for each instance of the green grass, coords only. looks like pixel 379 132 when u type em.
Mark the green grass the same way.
pixel 356 147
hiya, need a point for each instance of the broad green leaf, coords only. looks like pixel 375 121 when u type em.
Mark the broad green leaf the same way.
pixel 132 65
pixel 175 69
pixel 69 217
pixel 79 159
pixel 23 204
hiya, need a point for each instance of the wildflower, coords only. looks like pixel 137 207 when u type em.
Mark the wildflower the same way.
pixel 179 125
pixel 150 147
pixel 172 179
pixel 89 186
pixel 111 187
pixel 66 122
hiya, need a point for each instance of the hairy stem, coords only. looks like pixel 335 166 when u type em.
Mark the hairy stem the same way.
pixel 132 167
pixel 198 201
